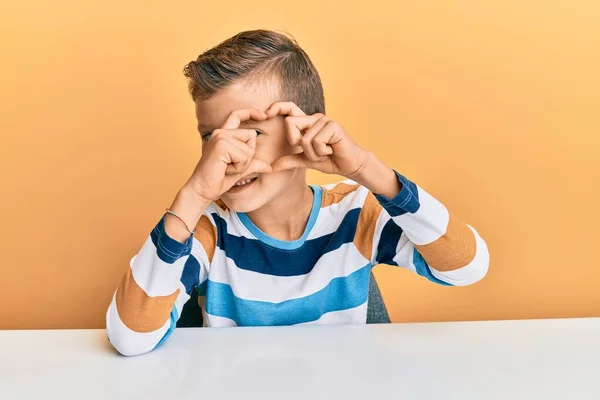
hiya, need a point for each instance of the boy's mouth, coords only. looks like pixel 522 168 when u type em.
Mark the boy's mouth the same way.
pixel 243 183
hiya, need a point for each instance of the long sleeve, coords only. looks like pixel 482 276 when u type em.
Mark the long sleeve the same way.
pixel 147 304
pixel 415 231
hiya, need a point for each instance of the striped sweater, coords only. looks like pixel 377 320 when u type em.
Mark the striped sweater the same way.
pixel 246 278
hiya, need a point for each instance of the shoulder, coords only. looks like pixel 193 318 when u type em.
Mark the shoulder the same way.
pixel 345 195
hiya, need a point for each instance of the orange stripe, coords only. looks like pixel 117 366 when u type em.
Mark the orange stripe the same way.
pixel 337 194
pixel 206 234
pixel 140 312
pixel 453 250
pixel 365 229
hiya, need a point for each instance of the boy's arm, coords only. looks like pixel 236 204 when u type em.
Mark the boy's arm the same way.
pixel 151 295
pixel 148 302
pixel 416 231
pixel 413 229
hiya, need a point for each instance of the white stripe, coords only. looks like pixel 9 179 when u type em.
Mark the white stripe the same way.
pixel 199 252
pixel 405 253
pixel 218 322
pixel 331 217
pixel 154 276
pixel 235 227
pixel 356 315
pixel 470 273
pixel 181 299
pixel 251 285
pixel 428 224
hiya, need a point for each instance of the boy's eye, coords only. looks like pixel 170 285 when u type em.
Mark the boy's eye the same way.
pixel 206 136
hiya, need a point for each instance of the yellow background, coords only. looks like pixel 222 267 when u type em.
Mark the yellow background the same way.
pixel 493 107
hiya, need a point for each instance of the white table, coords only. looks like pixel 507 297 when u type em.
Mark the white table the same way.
pixel 543 359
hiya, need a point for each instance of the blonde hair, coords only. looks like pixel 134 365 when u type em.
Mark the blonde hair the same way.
pixel 256 56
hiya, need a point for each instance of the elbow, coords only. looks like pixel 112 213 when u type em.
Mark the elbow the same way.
pixel 479 272
pixel 126 348
pixel 126 344
pixel 471 273
pixel 124 340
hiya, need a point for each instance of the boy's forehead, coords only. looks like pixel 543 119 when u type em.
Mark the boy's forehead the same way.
pixel 212 113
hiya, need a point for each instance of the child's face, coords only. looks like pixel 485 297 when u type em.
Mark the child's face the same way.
pixel 271 142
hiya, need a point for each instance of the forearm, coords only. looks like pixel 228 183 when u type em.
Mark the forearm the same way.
pixel 142 308
pixel 439 245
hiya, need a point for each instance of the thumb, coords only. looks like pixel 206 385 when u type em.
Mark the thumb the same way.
pixel 258 167
pixel 291 161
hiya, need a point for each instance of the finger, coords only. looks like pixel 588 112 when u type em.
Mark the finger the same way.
pixel 323 140
pixel 294 126
pixel 259 167
pixel 245 114
pixel 237 161
pixel 284 108
pixel 308 137
pixel 243 161
pixel 233 153
pixel 247 136
pixel 292 161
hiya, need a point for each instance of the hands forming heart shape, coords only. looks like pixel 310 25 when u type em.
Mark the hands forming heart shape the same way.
pixel 228 156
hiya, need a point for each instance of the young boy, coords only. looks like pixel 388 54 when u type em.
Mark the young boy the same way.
pixel 262 246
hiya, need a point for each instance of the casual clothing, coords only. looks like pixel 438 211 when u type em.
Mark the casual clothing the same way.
pixel 246 278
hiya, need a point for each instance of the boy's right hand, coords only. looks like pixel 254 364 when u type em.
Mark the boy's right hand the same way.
pixel 228 156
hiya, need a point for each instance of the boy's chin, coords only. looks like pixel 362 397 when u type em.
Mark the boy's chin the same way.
pixel 241 205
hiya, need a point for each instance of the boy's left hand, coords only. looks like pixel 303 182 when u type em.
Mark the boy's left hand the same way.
pixel 326 146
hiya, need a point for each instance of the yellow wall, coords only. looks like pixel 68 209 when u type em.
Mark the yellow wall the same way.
pixel 492 108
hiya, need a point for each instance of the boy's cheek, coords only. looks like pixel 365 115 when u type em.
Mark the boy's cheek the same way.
pixel 270 152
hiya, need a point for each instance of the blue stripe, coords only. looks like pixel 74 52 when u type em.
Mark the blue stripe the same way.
pixel 407 201
pixel 282 244
pixel 423 269
pixel 174 317
pixel 388 243
pixel 191 274
pixel 340 294
pixel 254 255
pixel 169 250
